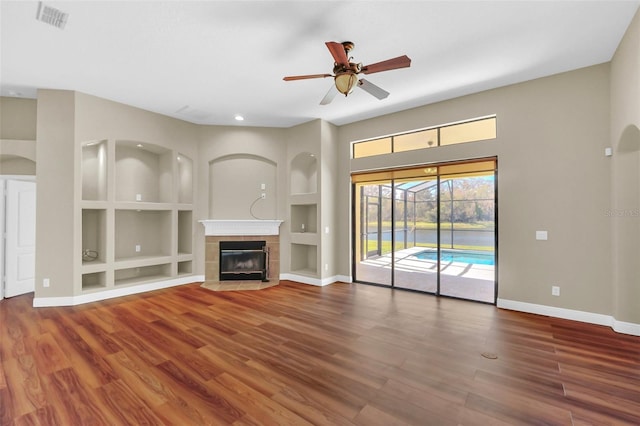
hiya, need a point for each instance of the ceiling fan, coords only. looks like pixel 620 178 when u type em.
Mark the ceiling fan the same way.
pixel 345 72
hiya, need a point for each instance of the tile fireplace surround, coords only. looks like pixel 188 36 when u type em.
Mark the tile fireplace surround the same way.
pixel 240 230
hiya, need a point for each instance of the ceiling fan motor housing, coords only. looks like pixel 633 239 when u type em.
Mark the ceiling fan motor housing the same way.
pixel 353 68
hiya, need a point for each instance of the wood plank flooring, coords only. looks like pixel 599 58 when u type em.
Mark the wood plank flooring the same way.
pixel 345 354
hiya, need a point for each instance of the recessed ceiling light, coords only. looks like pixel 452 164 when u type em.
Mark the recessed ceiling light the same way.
pixel 139 145
pixel 238 117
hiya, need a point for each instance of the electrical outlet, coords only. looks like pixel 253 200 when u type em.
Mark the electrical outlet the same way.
pixel 263 195
pixel 138 248
pixel 138 197
pixel 326 266
pixel 555 290
pixel 45 282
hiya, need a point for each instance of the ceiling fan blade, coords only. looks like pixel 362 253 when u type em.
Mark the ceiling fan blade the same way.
pixel 304 77
pixel 390 64
pixel 372 89
pixel 338 53
pixel 330 95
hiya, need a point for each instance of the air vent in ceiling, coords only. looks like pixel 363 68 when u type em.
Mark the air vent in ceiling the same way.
pixel 52 16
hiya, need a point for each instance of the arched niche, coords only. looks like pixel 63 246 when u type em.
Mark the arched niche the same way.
pixel 16 165
pixel 236 185
pixel 630 140
pixel 304 174
pixel 18 157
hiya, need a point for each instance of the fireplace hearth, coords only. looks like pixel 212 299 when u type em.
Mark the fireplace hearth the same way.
pixel 243 261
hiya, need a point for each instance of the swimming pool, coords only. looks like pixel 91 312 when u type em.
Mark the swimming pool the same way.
pixel 458 256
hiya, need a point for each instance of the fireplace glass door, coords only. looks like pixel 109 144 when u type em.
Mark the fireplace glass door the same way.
pixel 243 260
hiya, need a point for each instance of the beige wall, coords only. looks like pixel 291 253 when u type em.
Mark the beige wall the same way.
pixel 552 175
pixel 18 118
pixel 17 136
pixel 56 213
pixel 624 221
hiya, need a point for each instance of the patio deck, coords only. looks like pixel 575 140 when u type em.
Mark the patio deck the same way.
pixel 457 279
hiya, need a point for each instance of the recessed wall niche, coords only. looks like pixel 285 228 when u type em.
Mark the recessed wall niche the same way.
pixel 144 172
pixel 236 185
pixel 94 235
pixel 304 218
pixel 142 233
pixel 94 171
pixel 304 174
pixel 185 179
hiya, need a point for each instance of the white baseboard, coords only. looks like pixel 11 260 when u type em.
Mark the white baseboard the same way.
pixel 315 281
pixel 40 302
pixel 626 328
pixel 570 314
pixel 303 279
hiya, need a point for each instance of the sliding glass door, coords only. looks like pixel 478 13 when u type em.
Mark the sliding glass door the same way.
pixel 467 232
pixel 416 220
pixel 429 229
pixel 373 217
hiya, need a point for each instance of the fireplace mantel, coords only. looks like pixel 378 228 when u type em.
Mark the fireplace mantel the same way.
pixel 215 227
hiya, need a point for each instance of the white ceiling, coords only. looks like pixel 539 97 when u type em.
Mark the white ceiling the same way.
pixel 205 61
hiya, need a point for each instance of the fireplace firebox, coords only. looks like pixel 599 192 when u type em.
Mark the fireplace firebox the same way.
pixel 243 260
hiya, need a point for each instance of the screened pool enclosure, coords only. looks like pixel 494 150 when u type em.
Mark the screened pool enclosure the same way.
pixel 430 229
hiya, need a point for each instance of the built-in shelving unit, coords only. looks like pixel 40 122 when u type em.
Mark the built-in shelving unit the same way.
pixel 303 214
pixel 137 214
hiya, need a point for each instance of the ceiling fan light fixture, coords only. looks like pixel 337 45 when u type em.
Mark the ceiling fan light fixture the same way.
pixel 346 82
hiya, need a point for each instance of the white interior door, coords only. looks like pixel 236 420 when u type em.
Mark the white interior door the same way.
pixel 21 237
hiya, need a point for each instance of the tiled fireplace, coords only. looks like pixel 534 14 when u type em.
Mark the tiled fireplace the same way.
pixel 217 231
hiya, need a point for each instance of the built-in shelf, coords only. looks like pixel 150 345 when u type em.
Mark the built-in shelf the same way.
pixel 94 170
pixel 95 280
pixel 304 198
pixel 142 233
pixel 304 259
pixel 137 214
pixel 304 218
pixel 144 172
pixel 185 268
pixel 185 179
pixel 307 238
pixel 185 231
pixel 140 274
pixel 137 261
pixel 94 237
pixel 304 174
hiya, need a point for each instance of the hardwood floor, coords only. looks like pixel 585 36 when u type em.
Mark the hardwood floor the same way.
pixel 296 354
